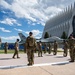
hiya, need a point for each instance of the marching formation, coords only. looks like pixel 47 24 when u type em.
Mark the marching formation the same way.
pixel 31 46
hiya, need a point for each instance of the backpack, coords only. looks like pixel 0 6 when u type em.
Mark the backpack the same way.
pixel 31 42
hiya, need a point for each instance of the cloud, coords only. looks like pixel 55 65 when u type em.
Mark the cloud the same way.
pixel 5 4
pixel 19 30
pixel 53 9
pixel 31 23
pixel 36 33
pixel 10 39
pixel 4 12
pixel 4 30
pixel 10 22
pixel 38 11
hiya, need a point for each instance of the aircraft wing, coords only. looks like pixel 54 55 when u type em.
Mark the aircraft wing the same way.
pixel 51 39
pixel 23 39
pixel 55 38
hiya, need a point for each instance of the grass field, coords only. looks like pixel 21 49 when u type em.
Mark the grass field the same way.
pixel 21 51
pixel 10 51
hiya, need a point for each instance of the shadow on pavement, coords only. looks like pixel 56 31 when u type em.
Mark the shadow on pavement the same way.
pixel 5 58
pixel 59 57
pixel 11 67
pixel 49 55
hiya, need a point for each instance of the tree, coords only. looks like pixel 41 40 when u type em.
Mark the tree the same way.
pixel 46 35
pixel 64 36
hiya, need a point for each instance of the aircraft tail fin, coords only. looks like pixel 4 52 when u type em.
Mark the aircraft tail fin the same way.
pixel 22 37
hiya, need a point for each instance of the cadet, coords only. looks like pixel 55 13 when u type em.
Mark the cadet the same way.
pixel 0 42
pixel 24 48
pixel 65 48
pixel 45 47
pixel 39 49
pixel 6 47
pixel 16 49
pixel 72 48
pixel 49 50
pixel 55 47
pixel 30 47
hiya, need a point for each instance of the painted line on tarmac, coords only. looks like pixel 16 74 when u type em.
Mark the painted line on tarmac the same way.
pixel 43 64
pixel 55 63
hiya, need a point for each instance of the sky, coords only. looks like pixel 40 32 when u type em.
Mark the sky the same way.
pixel 23 16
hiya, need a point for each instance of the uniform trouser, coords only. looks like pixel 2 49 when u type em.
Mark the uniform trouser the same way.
pixel 49 51
pixel 30 55
pixel 40 53
pixel 72 54
pixel 16 53
pixel 65 52
pixel 6 50
pixel 45 50
pixel 24 50
pixel 55 51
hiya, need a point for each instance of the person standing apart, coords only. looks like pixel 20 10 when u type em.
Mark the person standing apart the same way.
pixel 65 48
pixel 55 47
pixel 5 47
pixel 0 42
pixel 45 48
pixel 50 48
pixel 72 48
pixel 16 49
pixel 39 49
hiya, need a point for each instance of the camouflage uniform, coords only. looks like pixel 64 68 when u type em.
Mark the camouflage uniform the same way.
pixel 55 47
pixel 24 48
pixel 49 50
pixel 30 50
pixel 6 47
pixel 72 49
pixel 39 49
pixel 45 47
pixel 16 50
pixel 0 42
pixel 65 49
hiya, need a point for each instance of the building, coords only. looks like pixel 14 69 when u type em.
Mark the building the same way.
pixel 63 22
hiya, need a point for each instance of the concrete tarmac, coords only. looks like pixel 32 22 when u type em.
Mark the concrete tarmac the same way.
pixel 49 64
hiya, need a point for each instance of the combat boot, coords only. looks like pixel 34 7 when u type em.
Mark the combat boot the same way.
pixel 71 61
